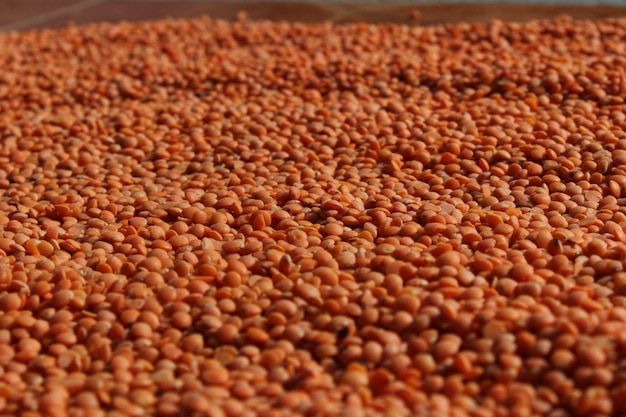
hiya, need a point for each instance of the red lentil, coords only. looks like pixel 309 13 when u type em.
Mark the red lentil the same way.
pixel 257 218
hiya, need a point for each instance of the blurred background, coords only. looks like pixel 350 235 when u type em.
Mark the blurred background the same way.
pixel 36 14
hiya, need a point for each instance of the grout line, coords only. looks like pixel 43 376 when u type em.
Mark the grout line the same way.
pixel 35 20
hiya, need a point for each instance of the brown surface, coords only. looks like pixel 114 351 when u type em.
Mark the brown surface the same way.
pixel 58 13
pixel 35 13
pixel 135 11
pixel 434 14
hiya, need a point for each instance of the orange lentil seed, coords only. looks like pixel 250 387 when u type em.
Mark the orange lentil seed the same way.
pixel 313 219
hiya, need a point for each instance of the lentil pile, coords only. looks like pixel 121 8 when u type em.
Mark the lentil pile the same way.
pixel 255 219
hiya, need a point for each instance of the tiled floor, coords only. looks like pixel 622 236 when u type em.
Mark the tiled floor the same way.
pixel 27 14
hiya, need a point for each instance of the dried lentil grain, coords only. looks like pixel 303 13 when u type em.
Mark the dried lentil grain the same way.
pixel 313 227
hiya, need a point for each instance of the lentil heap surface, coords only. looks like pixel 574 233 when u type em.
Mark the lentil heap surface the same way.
pixel 204 218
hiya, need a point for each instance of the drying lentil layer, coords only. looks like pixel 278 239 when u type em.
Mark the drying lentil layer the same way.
pixel 245 219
